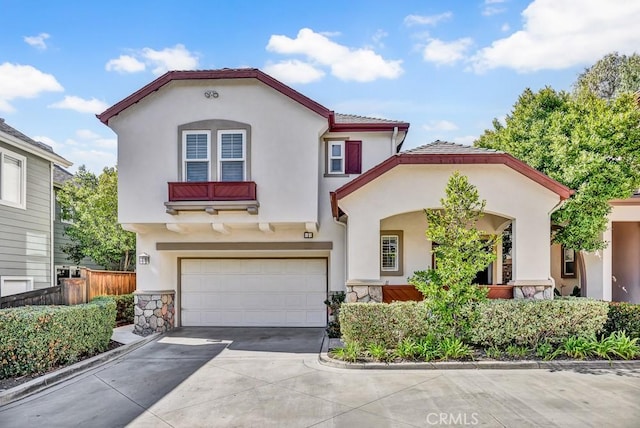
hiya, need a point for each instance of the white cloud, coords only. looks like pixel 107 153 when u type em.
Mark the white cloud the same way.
pixel 175 58
pixel 125 64
pixel 505 27
pixel 86 134
pixel 48 141
pixel 294 71
pixel 465 139
pixel 38 41
pixel 411 20
pixel 94 160
pixel 378 36
pixel 492 10
pixel 349 64
pixel 81 105
pixel 559 34
pixel 440 125
pixel 441 52
pixel 23 81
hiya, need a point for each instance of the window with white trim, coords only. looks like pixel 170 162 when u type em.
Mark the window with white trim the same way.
pixel 13 174
pixel 391 252
pixel 232 156
pixel 335 152
pixel 15 284
pixel 196 155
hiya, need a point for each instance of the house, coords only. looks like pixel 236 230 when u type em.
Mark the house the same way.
pixel 612 274
pixel 252 202
pixel 64 266
pixel 26 211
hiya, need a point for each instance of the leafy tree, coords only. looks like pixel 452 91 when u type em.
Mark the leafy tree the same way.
pixel 91 203
pixel 587 143
pixel 611 76
pixel 461 253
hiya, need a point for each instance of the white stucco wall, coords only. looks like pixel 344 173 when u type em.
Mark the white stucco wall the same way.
pixel 410 188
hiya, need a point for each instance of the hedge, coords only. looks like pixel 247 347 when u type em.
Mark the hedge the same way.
pixel 124 307
pixel 385 324
pixel 35 339
pixel 623 317
pixel 502 323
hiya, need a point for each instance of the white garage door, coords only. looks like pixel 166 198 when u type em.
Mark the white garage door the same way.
pixel 254 292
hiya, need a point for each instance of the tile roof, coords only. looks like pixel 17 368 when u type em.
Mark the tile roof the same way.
pixel 444 147
pixel 14 132
pixel 353 118
pixel 61 175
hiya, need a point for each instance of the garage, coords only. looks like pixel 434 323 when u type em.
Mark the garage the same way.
pixel 267 292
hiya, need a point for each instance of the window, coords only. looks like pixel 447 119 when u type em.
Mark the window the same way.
pixel 15 284
pixel 336 157
pixel 196 155
pixel 568 263
pixel 231 155
pixel 344 157
pixel 391 253
pixel 12 179
pixel 65 215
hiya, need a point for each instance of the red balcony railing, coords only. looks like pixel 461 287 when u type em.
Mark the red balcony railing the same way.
pixel 212 191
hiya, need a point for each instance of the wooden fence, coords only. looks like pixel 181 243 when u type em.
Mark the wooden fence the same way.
pixel 73 291
pixel 44 296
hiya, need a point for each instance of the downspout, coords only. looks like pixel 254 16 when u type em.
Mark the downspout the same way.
pixel 394 138
pixel 52 193
pixel 554 209
pixel 346 249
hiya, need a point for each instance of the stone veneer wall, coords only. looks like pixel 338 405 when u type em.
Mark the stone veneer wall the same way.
pixel 154 312
pixel 537 292
pixel 364 293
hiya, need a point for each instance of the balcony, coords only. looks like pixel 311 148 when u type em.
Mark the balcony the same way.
pixel 212 196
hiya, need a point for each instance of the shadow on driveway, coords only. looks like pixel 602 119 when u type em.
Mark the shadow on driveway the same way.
pixel 121 391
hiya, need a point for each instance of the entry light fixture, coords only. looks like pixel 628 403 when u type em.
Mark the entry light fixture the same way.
pixel 144 258
pixel 308 235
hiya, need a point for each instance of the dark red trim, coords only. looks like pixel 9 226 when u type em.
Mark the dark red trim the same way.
pixel 247 73
pixel 212 191
pixel 479 158
pixel 334 204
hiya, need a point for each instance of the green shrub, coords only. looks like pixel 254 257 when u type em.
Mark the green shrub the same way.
pixel 529 322
pixel 333 304
pixel 35 339
pixel 386 324
pixel 124 307
pixel 623 317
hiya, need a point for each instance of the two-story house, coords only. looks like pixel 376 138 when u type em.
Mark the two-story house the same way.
pixel 252 202
pixel 27 203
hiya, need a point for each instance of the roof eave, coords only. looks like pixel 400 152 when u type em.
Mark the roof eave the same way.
pixel 30 148
pixel 450 158
pixel 368 127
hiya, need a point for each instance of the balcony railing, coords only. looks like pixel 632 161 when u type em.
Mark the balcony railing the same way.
pixel 212 191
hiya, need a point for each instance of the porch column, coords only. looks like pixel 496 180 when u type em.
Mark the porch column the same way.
pixel 532 258
pixel 363 270
pixel 607 265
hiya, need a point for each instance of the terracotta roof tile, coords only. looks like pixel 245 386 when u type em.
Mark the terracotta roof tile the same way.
pixel 353 118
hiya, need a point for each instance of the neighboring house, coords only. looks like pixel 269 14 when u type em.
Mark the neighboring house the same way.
pixel 64 267
pixel 26 211
pixel 613 273
pixel 252 202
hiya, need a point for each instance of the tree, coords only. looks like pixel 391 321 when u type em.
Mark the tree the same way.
pixel 589 144
pixel 611 76
pixel 461 253
pixel 91 204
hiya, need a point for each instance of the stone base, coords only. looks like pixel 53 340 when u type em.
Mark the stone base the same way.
pixel 363 292
pixel 536 290
pixel 154 311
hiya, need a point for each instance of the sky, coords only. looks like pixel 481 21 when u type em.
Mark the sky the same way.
pixel 447 67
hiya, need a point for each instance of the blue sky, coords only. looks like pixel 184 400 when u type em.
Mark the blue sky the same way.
pixel 447 67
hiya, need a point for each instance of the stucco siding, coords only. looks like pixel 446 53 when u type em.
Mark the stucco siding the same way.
pixel 25 234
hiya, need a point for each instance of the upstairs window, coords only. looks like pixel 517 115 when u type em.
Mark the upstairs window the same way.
pixel 196 154
pixel 232 158
pixel 12 179
pixel 344 157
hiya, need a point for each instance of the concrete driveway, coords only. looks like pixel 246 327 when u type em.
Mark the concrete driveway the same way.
pixel 245 377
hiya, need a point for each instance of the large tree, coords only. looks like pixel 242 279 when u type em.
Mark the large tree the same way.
pixel 90 202
pixel 588 143
pixel 611 76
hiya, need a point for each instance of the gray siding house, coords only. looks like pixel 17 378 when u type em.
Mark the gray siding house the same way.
pixel 27 204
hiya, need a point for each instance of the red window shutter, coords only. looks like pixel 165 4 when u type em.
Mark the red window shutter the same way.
pixel 353 157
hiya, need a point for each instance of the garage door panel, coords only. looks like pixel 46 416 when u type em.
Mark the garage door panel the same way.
pixel 253 292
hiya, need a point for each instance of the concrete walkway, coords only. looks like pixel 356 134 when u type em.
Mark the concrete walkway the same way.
pixel 247 377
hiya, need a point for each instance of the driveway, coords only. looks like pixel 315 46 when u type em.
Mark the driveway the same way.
pixel 266 377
